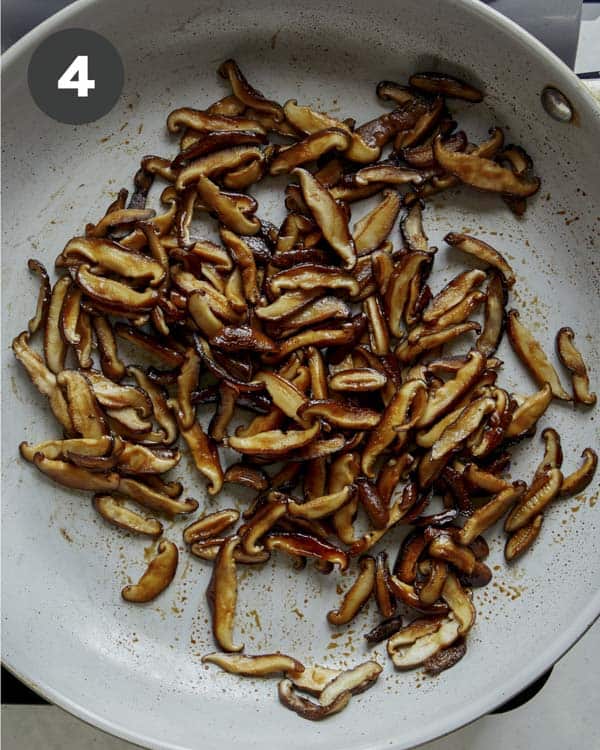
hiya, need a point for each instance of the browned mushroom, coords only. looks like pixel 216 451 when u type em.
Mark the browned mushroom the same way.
pixel 158 575
pixel 383 594
pixel 43 300
pixel 542 491
pixel 114 512
pixel 247 94
pixel 222 595
pixel 309 149
pixel 307 709
pixel 532 355
pixel 447 85
pixel 310 276
pixel 211 525
pixel 414 644
pixel 203 450
pixel 86 416
pixel 460 603
pixel 55 347
pixel 571 358
pixel 522 539
pixel 483 173
pixel 210 122
pixel 577 481
pixel 306 545
pixel 374 228
pixel 526 415
pixel 355 680
pixel 357 595
pixel 262 665
pixel 329 216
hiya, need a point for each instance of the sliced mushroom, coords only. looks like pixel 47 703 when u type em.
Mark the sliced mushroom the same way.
pixel 105 255
pixel 446 85
pixel 354 681
pixel 114 512
pixel 203 451
pixel 309 149
pixel 111 363
pixel 484 252
pixel 388 174
pixel 390 474
pixel 262 665
pixel 43 300
pixel 397 293
pixel 378 330
pixel 542 491
pixel 526 415
pixel 247 476
pixel 86 416
pixel 493 327
pixel 384 629
pixel 75 477
pixel 329 216
pixel 357 595
pixel 222 595
pixel 325 309
pixel 211 525
pixel 465 425
pixel 442 400
pixel 576 482
pixel 208 549
pixel 383 594
pixel 160 408
pixel 407 350
pixel 483 173
pixel 214 164
pixel 158 575
pixel 150 345
pixel 487 515
pixel 436 572
pixel 357 380
pixel 533 356
pixel 374 228
pixel 273 442
pixel 452 294
pixel 571 358
pixel 553 456
pixel 412 654
pixel 247 94
pixel 310 276
pixel 400 415
pixel 226 208
pixel 306 708
pixel 443 547
pixel 322 506
pixel 460 603
pixel 307 545
pixel 114 292
pixel 521 540
pixel 154 499
pixel 370 539
pixel 55 347
pixel 204 122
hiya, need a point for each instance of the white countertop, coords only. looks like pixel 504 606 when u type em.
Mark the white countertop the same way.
pixel 564 715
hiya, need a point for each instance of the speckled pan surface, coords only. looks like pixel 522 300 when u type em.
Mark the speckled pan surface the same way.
pixel 135 670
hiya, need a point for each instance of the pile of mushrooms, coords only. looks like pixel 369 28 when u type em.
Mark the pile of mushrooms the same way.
pixel 329 339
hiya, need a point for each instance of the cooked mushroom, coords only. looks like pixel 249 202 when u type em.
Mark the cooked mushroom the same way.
pixel 340 414
pixel 158 575
pixel 309 149
pixel 384 629
pixel 446 85
pixel 400 415
pixel 576 482
pixel 86 416
pixel 222 595
pixel 492 511
pixel 55 347
pixel 306 545
pixel 114 512
pixel 43 301
pixel 484 252
pixel 460 603
pixel 436 572
pixel 248 95
pixel 374 228
pixel 154 499
pixel 310 276
pixel 105 255
pixel 413 645
pixel 357 595
pixel 165 353
pixel 542 491
pixel 571 358
pixel 111 363
pixel 227 209
pixel 522 539
pixel 210 122
pixel 446 658
pixel 408 350
pixel 357 380
pixel 203 450
pixel 483 173
pixel 262 665
pixel 320 507
pixel 211 525
pixel 445 548
pixel 306 708
pixel 329 216
pixel 355 680
pixel 383 594
pixel 75 477
pixel 526 415
pixel 533 356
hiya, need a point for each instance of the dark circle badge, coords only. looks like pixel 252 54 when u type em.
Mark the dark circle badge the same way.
pixel 75 76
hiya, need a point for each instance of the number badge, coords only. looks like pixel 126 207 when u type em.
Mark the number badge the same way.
pixel 76 76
